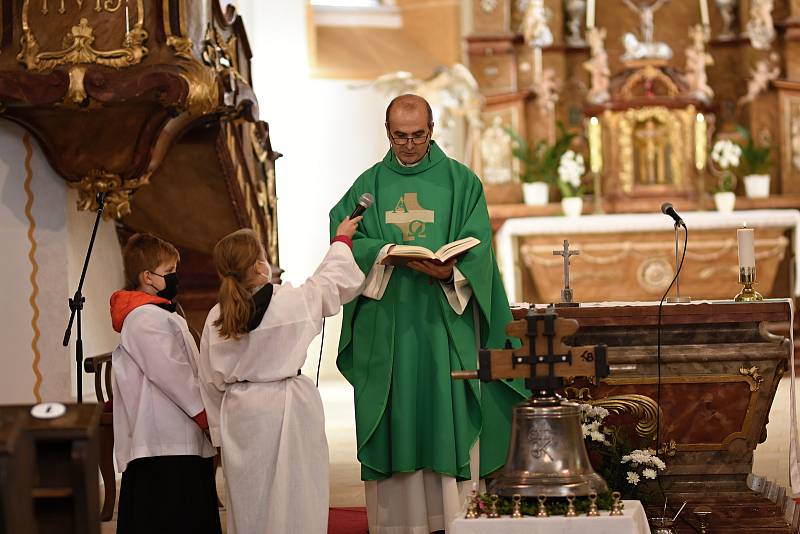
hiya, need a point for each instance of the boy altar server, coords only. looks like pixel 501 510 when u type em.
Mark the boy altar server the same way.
pixel 165 458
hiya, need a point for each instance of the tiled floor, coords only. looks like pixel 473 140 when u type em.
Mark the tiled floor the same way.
pixel 771 457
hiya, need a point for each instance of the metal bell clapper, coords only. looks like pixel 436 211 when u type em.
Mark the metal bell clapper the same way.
pixel 493 513
pixel 571 512
pixel 542 511
pixel 616 507
pixel 516 513
pixel 593 511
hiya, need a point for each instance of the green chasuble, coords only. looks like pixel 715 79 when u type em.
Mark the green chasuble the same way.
pixel 398 351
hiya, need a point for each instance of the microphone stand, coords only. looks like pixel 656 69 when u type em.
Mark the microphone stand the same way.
pixel 677 297
pixel 77 301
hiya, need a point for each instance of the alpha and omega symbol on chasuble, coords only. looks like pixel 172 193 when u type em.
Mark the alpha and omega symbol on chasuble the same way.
pixel 410 217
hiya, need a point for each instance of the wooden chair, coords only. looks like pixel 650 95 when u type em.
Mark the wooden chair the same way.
pixel 101 367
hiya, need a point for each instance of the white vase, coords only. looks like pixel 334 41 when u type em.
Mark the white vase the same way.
pixel 756 185
pixel 725 201
pixel 572 206
pixel 536 193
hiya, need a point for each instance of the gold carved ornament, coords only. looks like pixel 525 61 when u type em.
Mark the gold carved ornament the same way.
pixel 79 44
pixel 679 124
pixel 643 408
pixel 267 200
pixel 118 192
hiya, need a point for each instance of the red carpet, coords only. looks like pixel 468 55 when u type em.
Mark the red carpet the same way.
pixel 347 521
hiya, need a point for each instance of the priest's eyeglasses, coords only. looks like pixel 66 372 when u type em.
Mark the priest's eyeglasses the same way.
pixel 405 140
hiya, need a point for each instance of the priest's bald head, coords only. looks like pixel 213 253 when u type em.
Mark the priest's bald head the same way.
pixel 409 125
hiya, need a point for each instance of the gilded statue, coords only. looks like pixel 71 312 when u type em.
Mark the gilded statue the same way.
pixel 650 153
pixel 597 65
pixel 697 59
pixel 760 28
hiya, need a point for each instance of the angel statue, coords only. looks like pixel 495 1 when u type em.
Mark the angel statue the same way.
pixel 760 28
pixel 496 153
pixel 456 103
pixel 597 65
pixel 697 59
pixel 764 72
pixel 534 25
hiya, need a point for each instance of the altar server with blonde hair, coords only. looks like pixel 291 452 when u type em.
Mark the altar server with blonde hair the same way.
pixel 264 414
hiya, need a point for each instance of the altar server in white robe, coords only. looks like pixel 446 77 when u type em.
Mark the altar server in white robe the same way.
pixel 266 416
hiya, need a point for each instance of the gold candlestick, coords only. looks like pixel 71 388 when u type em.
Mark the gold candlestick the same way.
pixel 747 277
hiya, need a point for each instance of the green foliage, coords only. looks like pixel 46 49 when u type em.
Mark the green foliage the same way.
pixel 726 183
pixel 540 164
pixel 755 159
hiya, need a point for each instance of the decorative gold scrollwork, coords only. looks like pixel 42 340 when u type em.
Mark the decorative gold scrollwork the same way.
pixel 79 45
pixel 753 377
pixel 119 192
pixel 643 408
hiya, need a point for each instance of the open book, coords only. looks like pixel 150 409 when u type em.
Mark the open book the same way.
pixel 400 254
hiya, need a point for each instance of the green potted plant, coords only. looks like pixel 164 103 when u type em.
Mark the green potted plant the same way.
pixel 540 164
pixel 726 156
pixel 755 166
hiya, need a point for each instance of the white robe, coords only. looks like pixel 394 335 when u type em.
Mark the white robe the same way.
pixel 423 501
pixel 156 390
pixel 268 420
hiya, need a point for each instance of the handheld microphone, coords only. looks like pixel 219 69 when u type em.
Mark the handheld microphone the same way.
pixel 667 209
pixel 364 201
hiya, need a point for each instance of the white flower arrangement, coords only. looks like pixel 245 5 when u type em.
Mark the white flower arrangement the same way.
pixel 570 171
pixel 592 422
pixel 726 154
pixel 647 461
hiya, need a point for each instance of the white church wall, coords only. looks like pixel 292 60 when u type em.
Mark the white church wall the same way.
pixel 41 232
pixel 328 132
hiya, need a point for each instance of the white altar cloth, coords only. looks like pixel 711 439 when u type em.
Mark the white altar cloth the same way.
pixel 505 238
pixel 634 521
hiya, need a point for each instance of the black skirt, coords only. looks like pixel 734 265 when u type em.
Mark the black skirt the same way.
pixel 169 494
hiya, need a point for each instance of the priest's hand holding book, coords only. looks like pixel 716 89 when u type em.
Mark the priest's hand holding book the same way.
pixel 437 264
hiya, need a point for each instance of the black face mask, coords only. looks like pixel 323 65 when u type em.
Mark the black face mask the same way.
pixel 170 290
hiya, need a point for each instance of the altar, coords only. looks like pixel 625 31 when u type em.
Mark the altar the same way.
pixel 632 256
pixel 633 521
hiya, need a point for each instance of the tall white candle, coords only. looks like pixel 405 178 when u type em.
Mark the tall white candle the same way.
pixel 590 15
pixel 127 19
pixel 537 63
pixel 704 12
pixel 747 251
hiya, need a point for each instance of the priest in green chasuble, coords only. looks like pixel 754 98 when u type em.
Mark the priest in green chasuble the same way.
pixel 423 438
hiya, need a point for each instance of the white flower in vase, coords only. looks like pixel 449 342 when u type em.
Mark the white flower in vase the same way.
pixel 633 478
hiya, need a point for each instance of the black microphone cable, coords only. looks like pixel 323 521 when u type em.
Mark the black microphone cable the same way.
pixel 321 344
pixel 658 354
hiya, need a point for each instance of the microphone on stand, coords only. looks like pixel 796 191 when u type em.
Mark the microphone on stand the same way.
pixel 364 201
pixel 667 209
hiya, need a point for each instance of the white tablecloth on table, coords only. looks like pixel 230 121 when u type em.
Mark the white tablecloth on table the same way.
pixel 635 222
pixel 634 521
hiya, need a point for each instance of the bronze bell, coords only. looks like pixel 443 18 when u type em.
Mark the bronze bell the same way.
pixel 546 453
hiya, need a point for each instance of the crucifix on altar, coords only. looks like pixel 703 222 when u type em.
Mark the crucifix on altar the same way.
pixel 566 292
